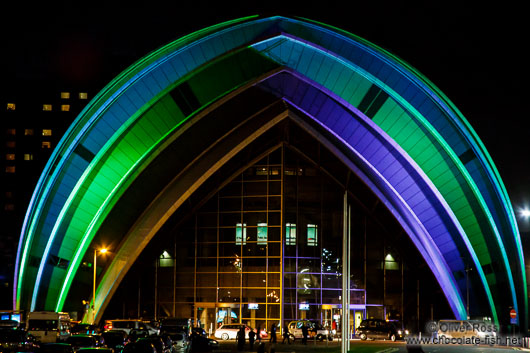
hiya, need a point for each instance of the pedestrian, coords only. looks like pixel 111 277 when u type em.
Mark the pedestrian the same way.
pixel 304 334
pixel 251 336
pixel 258 334
pixel 286 335
pixel 273 333
pixel 240 338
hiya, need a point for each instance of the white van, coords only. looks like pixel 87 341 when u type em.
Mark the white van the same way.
pixel 48 326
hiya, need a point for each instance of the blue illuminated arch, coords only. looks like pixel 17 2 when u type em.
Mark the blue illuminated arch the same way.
pixel 404 139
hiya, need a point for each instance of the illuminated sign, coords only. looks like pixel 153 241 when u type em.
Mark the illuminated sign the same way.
pixel 303 306
pixel 253 306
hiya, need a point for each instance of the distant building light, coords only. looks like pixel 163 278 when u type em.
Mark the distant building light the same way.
pixel 47 107
pixel 65 95
pixel 65 107
pixel 11 106
pixel 83 95
pixel 28 157
pixel 28 132
pixel 46 132
pixel 9 207
pixel 46 144
pixel 10 169
pixel 11 132
pixel 11 144
pixel 10 157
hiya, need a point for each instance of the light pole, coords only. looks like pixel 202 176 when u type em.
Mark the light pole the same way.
pixel 101 251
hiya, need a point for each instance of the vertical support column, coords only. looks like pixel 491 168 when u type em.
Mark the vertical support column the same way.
pixel 345 329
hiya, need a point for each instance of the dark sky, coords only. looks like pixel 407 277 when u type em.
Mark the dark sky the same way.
pixel 474 52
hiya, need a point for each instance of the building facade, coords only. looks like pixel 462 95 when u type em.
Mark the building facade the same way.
pixel 163 135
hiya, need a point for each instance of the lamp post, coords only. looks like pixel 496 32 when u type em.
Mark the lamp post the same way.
pixel 101 251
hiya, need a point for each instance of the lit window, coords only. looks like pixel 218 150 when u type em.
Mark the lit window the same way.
pixel 10 157
pixel 241 234
pixel 9 194
pixel 65 107
pixel 11 144
pixel 65 95
pixel 10 169
pixel 9 207
pixel 28 132
pixel 312 235
pixel 46 144
pixel 47 107
pixel 83 95
pixel 261 171
pixel 11 106
pixel 290 234
pixel 28 157
pixel 46 132
pixel 262 233
pixel 11 131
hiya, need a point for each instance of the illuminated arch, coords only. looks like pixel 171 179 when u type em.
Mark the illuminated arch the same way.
pixel 392 126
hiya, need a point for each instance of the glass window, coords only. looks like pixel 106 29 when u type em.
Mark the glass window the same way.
pixel 47 107
pixel 83 95
pixel 46 144
pixel 10 157
pixel 65 95
pixel 11 106
pixel 11 144
pixel 290 234
pixel 46 132
pixel 28 157
pixel 262 233
pixel 65 107
pixel 11 132
pixel 9 207
pixel 28 132
pixel 312 235
pixel 10 169
pixel 241 234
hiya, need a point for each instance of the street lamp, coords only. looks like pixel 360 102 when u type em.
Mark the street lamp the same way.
pixel 525 213
pixel 101 251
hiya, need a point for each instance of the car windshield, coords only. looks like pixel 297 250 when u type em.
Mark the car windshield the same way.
pixel 42 325
pixel 177 337
pixel 81 341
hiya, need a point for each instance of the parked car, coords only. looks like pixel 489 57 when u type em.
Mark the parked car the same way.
pixel 157 342
pixel 81 340
pixel 87 329
pixel 56 348
pixel 14 340
pixel 229 331
pixel 181 342
pixel 139 347
pixel 128 325
pixel 314 329
pixel 379 329
pixel 115 339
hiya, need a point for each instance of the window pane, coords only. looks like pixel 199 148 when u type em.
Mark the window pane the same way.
pixel 312 235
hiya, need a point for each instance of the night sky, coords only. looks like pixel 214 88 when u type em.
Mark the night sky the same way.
pixel 474 52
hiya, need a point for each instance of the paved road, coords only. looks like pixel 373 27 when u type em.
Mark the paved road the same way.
pixel 369 347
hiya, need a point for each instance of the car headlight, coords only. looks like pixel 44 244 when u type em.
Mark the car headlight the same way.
pixel 333 331
pixel 406 332
pixel 400 332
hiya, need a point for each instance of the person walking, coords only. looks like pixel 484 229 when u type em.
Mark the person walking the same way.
pixel 286 335
pixel 258 334
pixel 240 338
pixel 251 336
pixel 304 334
pixel 273 333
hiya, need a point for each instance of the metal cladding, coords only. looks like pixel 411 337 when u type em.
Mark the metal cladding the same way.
pixel 396 130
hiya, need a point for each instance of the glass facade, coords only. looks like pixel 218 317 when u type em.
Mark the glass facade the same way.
pixel 267 248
